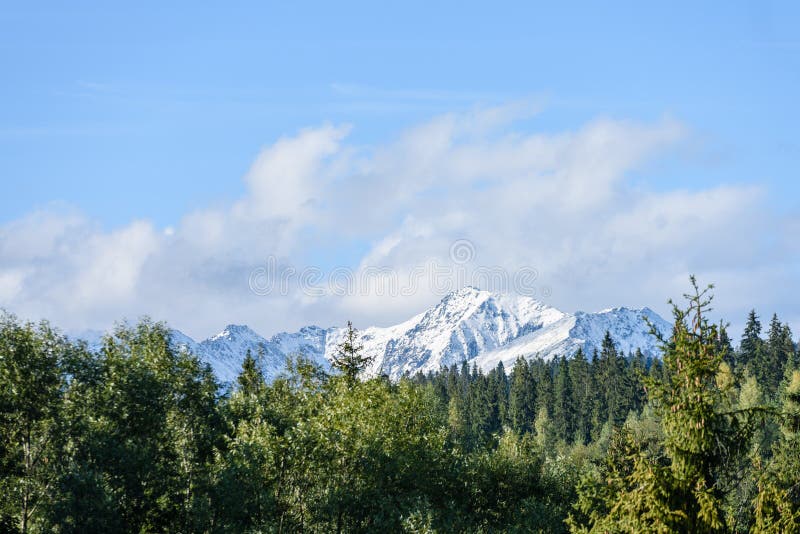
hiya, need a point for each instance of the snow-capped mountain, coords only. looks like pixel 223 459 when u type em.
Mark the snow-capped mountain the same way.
pixel 464 325
pixel 628 328
pixel 470 325
pixel 226 350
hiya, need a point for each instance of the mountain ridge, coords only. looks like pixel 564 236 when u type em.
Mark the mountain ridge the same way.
pixel 470 324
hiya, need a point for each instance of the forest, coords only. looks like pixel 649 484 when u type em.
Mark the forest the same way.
pixel 140 437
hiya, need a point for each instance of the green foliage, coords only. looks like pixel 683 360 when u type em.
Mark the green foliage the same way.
pixel 31 391
pixel 140 430
pixel 349 358
pixel 522 398
pixel 680 487
pixel 777 505
pixel 251 379
pixel 140 438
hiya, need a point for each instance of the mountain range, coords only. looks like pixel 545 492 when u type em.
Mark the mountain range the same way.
pixel 472 325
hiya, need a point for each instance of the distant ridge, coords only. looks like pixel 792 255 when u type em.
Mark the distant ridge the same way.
pixel 472 325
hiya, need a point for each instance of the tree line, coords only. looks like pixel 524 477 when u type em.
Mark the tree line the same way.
pixel 141 437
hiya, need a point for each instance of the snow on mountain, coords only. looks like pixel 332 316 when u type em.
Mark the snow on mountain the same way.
pixel 226 351
pixel 465 324
pixel 586 331
pixel 470 325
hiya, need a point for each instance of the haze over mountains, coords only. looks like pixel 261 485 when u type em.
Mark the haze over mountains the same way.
pixel 470 324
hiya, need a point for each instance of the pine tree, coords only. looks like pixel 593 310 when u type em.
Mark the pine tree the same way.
pixel 563 403
pixel 703 440
pixel 349 358
pixel 251 379
pixel 522 398
pixel 636 374
pixel 580 379
pixel 484 414
pixel 614 383
pixel 724 345
pixel 777 506
pixel 778 352
pixel 599 405
pixel 498 384
pixel 543 376
pixel 790 349
pixel 751 345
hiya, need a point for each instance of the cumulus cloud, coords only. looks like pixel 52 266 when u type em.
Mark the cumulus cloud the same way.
pixel 560 204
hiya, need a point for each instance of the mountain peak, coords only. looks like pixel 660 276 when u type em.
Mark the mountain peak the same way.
pixel 465 293
pixel 233 331
pixel 469 290
pixel 469 324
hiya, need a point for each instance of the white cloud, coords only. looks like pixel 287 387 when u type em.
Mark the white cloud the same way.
pixel 562 203
pixel 284 179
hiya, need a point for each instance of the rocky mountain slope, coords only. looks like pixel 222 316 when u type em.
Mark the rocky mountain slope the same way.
pixel 470 325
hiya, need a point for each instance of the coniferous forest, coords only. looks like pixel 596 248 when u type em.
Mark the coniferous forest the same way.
pixel 139 437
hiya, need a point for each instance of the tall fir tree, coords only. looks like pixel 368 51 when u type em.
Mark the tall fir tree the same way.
pixel 563 403
pixel 251 378
pixel 773 358
pixel 777 506
pixel 522 397
pixel 349 357
pixel 543 376
pixel 725 346
pixel 498 383
pixel 580 379
pixel 678 490
pixel 751 345
pixel 615 384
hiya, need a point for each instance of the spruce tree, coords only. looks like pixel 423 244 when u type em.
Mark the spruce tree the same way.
pixel 777 506
pixel 498 384
pixel 751 345
pixel 543 376
pixel 614 383
pixel 724 345
pixel 778 352
pixel 563 399
pixel 348 357
pixel 484 411
pixel 251 378
pixel 522 398
pixel 580 380
pixel 678 490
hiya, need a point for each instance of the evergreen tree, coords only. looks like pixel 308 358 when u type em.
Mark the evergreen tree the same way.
pixel 349 358
pixel 580 379
pixel 615 385
pixel 484 415
pixel 251 379
pixel 703 440
pixel 522 398
pixel 777 506
pixel 778 352
pixel 563 403
pixel 543 377
pixel 498 383
pixel 751 345
pixel 637 373
pixel 724 345
pixel 790 349
pixel 599 398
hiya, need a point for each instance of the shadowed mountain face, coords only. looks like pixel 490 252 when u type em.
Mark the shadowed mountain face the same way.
pixel 467 325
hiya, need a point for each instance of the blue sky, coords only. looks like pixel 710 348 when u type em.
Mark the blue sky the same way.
pixel 154 111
